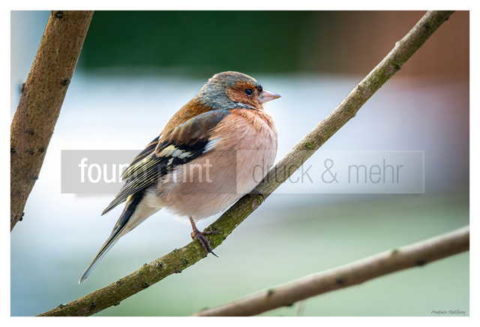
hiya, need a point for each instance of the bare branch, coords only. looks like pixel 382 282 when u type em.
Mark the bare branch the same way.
pixel 180 259
pixel 410 256
pixel 41 100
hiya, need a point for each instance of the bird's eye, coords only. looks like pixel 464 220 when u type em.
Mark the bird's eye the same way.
pixel 249 91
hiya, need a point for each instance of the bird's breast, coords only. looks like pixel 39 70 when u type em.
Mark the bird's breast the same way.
pixel 243 151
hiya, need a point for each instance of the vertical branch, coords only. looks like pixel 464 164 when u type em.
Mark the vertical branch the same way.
pixel 41 100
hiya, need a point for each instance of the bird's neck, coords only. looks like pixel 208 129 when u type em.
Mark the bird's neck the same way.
pixel 214 97
pixel 206 100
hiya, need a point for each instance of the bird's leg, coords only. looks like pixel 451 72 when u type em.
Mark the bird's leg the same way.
pixel 198 235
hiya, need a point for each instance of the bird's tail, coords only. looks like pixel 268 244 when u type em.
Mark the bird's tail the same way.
pixel 114 237
pixel 118 231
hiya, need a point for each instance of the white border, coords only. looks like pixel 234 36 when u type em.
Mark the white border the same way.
pixel 5 167
pixel 5 320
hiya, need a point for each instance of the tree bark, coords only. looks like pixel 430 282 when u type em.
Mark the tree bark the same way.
pixel 415 255
pixel 41 100
pixel 180 259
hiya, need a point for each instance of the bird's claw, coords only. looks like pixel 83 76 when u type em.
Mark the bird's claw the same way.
pixel 197 235
pixel 211 232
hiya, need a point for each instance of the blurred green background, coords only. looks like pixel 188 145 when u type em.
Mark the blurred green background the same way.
pixel 137 68
pixel 243 41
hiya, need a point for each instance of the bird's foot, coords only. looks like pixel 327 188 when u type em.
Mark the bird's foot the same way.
pixel 200 236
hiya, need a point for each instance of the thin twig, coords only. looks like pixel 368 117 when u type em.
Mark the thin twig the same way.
pixel 180 259
pixel 41 100
pixel 355 273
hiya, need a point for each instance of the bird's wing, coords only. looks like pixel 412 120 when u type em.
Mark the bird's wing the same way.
pixel 148 150
pixel 183 144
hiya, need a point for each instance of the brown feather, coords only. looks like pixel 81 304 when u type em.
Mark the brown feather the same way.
pixel 193 108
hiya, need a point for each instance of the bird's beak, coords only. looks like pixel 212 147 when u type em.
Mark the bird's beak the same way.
pixel 266 96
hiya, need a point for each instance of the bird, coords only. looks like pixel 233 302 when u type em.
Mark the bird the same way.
pixel 211 152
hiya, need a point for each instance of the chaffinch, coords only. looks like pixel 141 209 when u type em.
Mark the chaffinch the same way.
pixel 212 151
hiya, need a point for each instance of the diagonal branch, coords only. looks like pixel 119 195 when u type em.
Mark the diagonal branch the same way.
pixel 41 100
pixel 180 259
pixel 355 273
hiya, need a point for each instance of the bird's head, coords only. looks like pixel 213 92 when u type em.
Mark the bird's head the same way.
pixel 229 90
